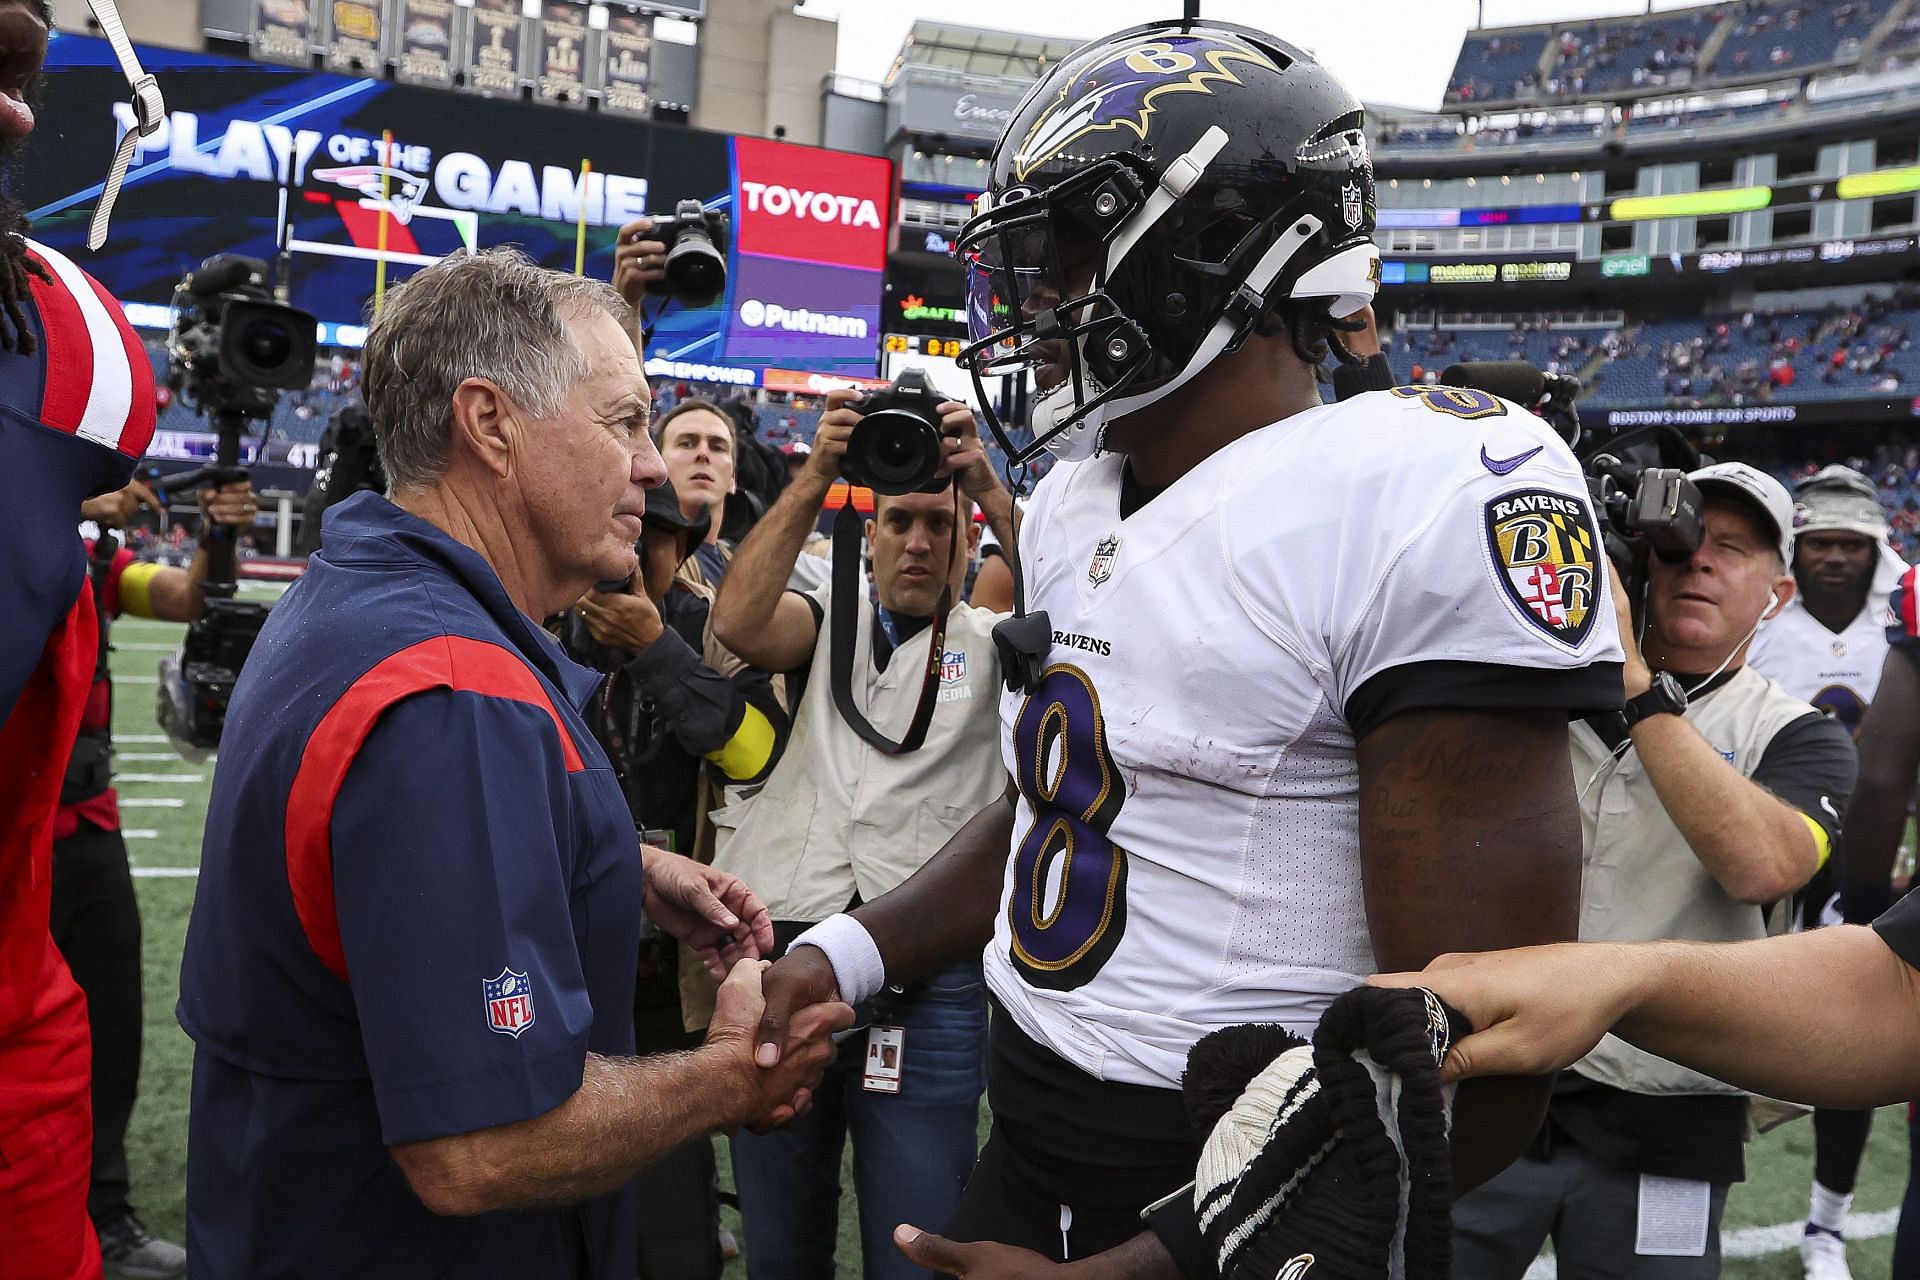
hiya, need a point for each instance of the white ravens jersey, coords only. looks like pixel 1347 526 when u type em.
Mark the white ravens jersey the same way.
pixel 1186 842
pixel 1837 673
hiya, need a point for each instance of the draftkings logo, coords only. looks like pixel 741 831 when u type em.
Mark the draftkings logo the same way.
pixel 1543 546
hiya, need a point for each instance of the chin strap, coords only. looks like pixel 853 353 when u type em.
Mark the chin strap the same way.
pixel 1023 639
pixel 149 111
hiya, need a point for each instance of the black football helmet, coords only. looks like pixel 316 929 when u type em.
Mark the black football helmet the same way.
pixel 1153 194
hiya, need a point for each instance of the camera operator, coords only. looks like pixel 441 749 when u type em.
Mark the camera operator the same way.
pixel 841 821
pixel 1713 796
pixel 663 715
pixel 95 915
pixel 409 975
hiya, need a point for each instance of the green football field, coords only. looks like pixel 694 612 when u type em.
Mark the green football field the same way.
pixel 164 804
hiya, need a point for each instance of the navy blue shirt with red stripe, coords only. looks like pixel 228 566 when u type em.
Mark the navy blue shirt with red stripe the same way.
pixel 418 912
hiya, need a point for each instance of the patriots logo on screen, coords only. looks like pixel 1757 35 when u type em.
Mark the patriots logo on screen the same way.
pixel 509 1003
pixel 953 665
pixel 1120 90
pixel 1104 554
pixel 1542 545
pixel 403 189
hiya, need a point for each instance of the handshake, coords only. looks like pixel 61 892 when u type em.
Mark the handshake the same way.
pixel 718 916
pixel 772 1094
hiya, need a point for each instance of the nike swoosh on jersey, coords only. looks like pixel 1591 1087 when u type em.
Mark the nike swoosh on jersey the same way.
pixel 1501 466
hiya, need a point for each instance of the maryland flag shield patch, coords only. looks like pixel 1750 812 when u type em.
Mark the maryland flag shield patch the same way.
pixel 1544 555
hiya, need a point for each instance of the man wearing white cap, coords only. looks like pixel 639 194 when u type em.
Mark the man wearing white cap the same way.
pixel 1827 646
pixel 1714 795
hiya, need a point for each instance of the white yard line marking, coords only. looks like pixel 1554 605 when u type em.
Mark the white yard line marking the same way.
pixel 136 679
pixel 139 646
pixel 145 755
pixel 152 802
pixel 166 873
pixel 1757 1242
pixel 159 777
pixel 140 737
pixel 140 833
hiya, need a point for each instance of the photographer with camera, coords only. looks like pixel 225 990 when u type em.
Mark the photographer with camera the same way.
pixel 95 915
pixel 409 975
pixel 849 813
pixel 1710 800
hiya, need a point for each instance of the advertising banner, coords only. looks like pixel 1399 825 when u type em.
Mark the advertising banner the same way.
pixel 424 43
pixel 628 83
pixel 493 66
pixel 283 30
pixel 353 37
pixel 563 54
pixel 250 154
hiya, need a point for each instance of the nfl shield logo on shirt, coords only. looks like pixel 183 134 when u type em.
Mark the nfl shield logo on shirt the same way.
pixel 1352 207
pixel 953 665
pixel 1103 556
pixel 509 1003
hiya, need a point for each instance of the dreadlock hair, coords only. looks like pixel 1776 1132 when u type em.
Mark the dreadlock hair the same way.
pixel 17 270
pixel 1311 328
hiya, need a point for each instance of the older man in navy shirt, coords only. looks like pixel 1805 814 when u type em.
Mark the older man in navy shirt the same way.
pixel 409 973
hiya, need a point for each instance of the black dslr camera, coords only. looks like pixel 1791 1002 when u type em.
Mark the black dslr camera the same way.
pixel 696 240
pixel 231 351
pixel 895 448
pixel 1639 484
pixel 1638 479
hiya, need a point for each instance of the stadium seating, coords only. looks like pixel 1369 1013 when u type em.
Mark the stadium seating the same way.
pixel 1754 39
pixel 1633 53
pixel 1490 64
pixel 1772 38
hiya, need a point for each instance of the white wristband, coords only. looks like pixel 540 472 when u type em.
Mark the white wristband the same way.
pixel 857 968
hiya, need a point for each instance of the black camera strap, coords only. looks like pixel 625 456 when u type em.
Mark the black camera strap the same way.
pixel 843 626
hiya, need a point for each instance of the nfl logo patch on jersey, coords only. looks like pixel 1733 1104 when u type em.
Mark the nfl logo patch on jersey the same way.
pixel 509 1003
pixel 1103 556
pixel 1543 548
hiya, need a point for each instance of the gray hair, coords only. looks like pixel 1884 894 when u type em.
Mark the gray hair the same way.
pixel 495 314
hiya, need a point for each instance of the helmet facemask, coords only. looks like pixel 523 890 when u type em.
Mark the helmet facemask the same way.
pixel 1058 278
pixel 1038 264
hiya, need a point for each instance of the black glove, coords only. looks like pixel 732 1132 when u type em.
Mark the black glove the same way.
pixel 1298 1166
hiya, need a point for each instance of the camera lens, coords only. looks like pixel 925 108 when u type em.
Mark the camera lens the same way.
pixel 267 343
pixel 893 451
pixel 695 271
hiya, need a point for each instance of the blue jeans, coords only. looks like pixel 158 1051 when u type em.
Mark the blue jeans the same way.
pixel 912 1150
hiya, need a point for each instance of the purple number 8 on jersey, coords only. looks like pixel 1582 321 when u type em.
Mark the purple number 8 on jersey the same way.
pixel 1069 902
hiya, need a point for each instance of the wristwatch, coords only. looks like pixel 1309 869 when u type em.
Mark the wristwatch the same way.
pixel 1664 698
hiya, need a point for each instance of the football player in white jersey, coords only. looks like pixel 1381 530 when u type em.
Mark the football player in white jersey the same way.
pixel 1828 643
pixel 1299 706
pixel 1827 646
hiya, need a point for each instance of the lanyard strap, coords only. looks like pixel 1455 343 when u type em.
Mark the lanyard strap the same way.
pixel 843 626
pixel 149 111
